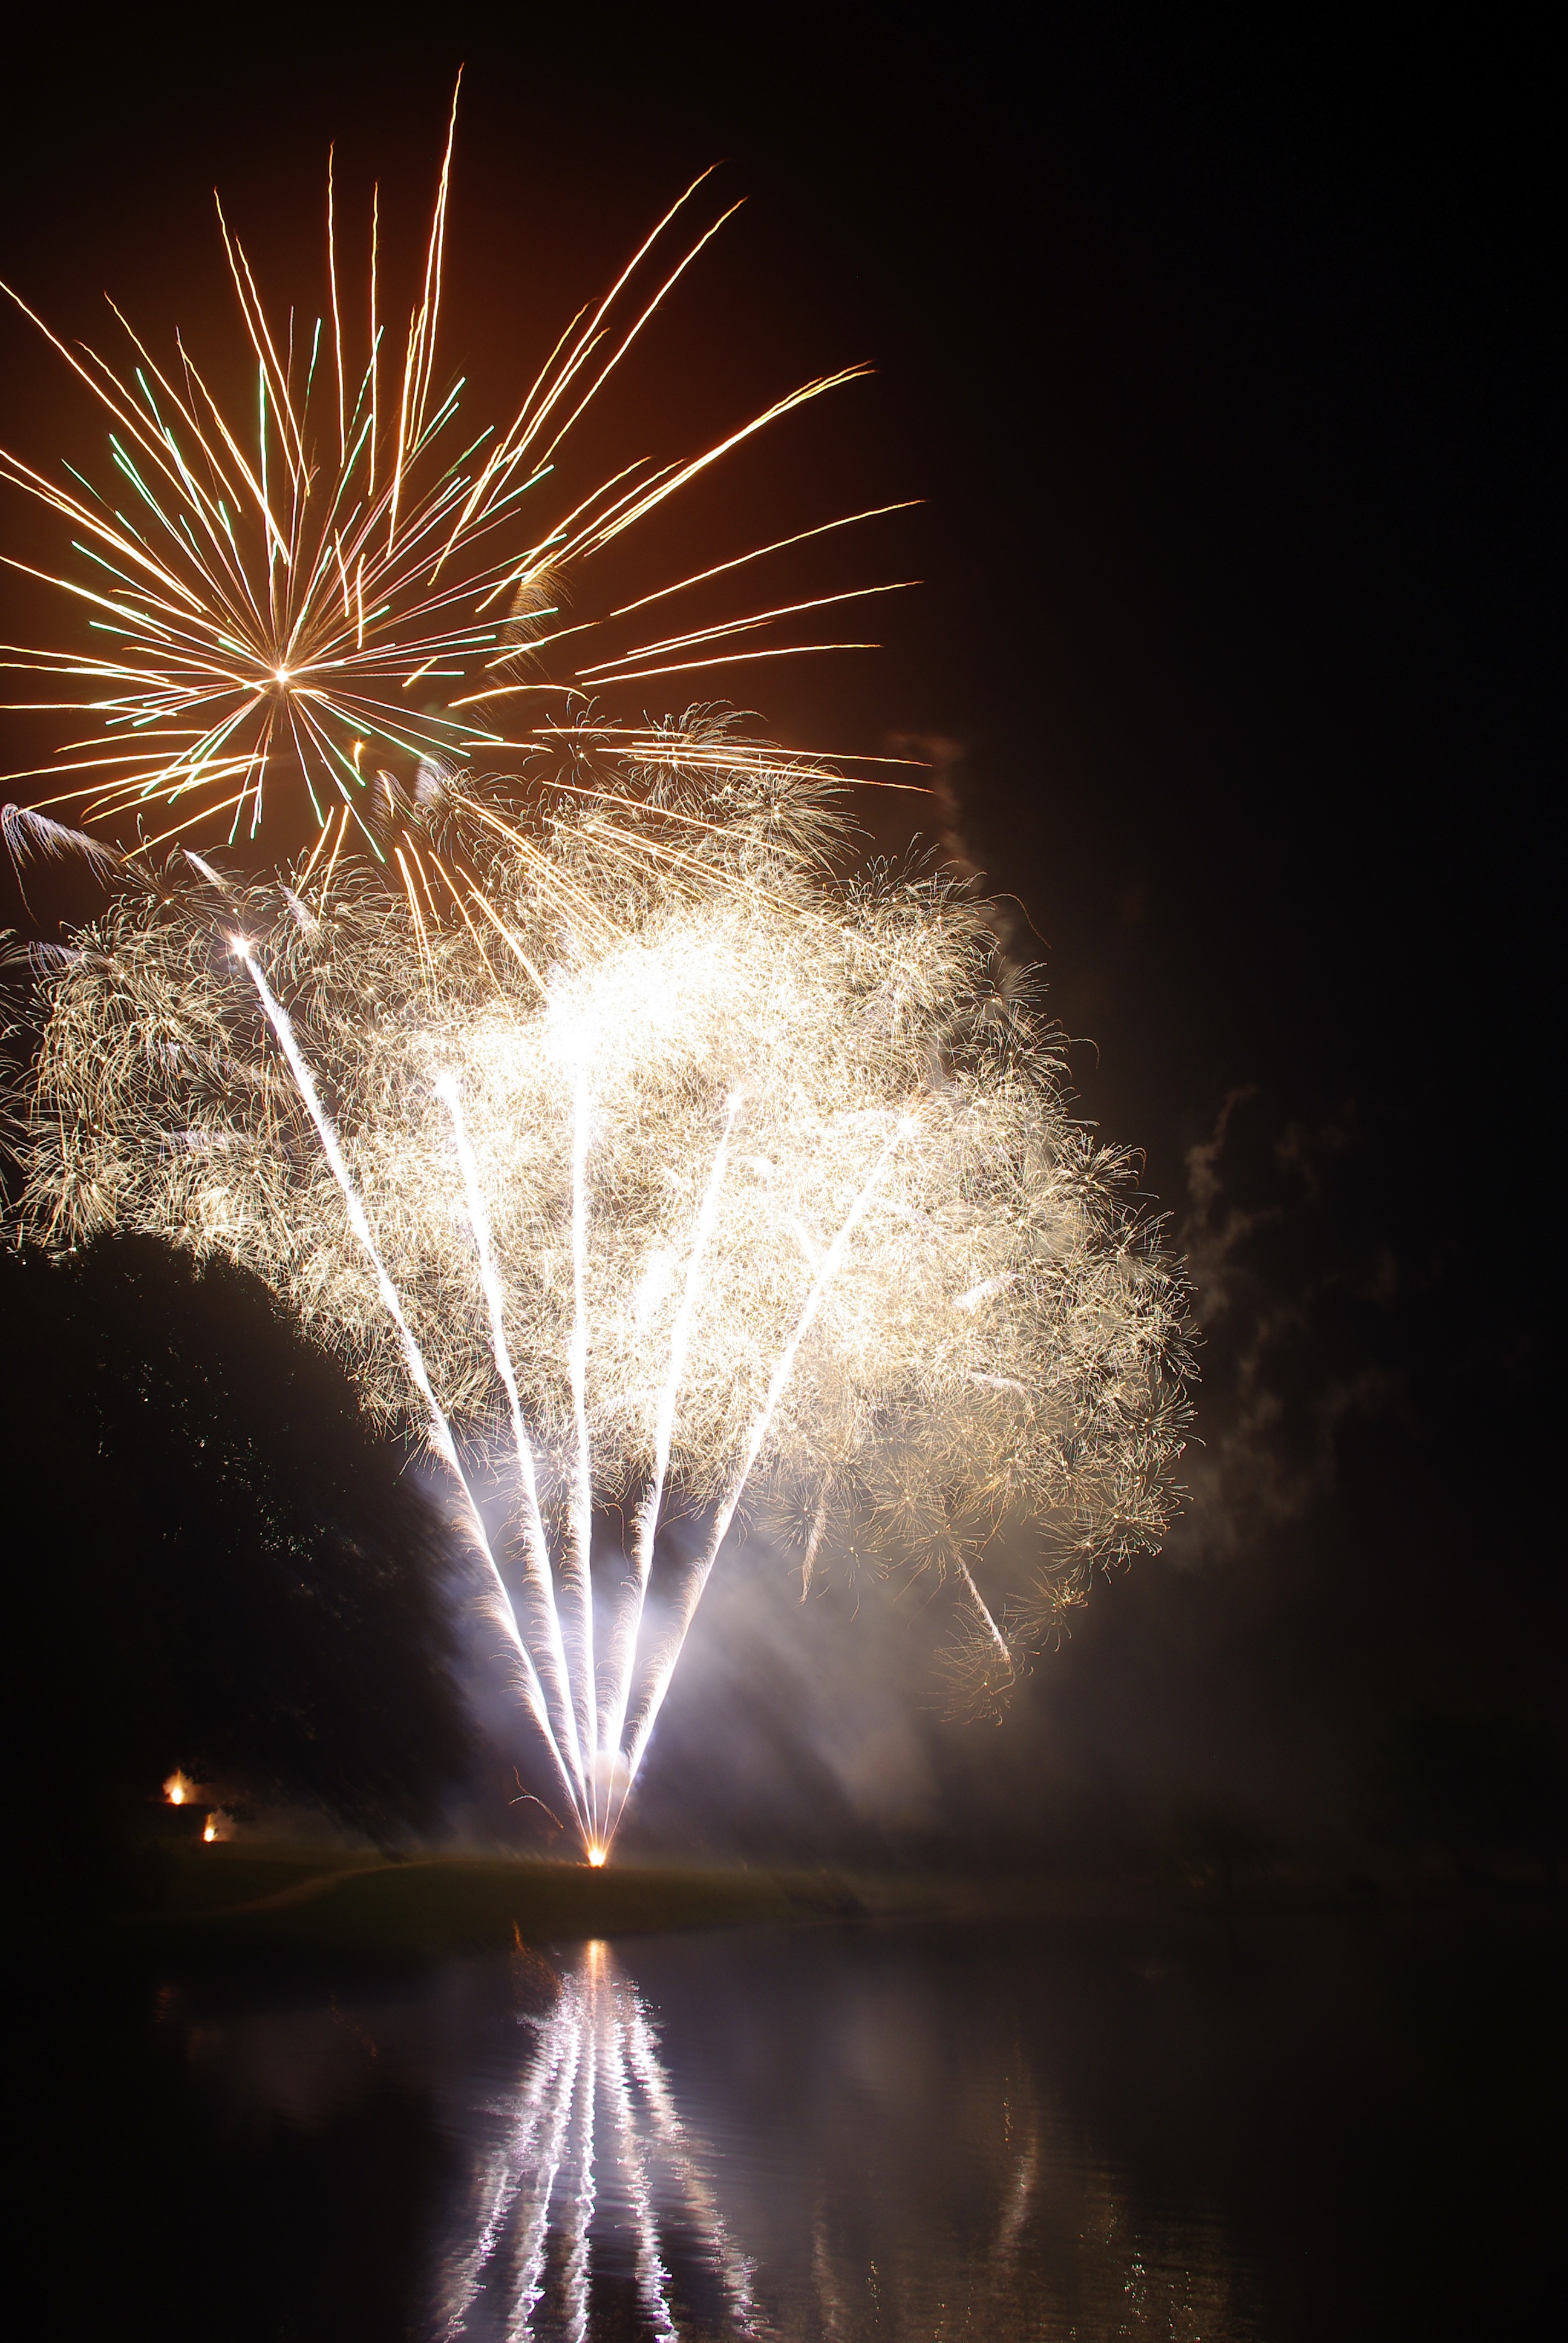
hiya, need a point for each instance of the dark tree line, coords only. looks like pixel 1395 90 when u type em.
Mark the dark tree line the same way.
pixel 212 1562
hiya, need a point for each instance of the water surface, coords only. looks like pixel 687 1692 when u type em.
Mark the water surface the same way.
pixel 1217 2134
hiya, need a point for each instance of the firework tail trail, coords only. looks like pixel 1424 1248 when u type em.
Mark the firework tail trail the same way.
pixel 827 1269
pixel 440 1431
pixel 576 1572
pixel 541 1578
pixel 813 1543
pixel 978 1599
pixel 628 1623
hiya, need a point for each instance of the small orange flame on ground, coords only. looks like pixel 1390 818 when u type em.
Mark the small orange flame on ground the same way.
pixel 595 1855
pixel 178 1789
pixel 217 1827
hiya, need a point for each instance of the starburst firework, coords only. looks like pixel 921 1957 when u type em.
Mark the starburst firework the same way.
pixel 319 595
pixel 657 1176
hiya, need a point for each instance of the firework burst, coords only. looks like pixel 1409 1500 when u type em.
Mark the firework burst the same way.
pixel 661 1180
pixel 294 607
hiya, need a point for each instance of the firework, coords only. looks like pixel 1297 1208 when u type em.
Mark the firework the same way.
pixel 298 601
pixel 663 1182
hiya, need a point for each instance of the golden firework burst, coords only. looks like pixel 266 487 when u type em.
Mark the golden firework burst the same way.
pixel 675 1177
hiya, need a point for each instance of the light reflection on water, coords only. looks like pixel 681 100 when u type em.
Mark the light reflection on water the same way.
pixel 583 2166
pixel 1209 2129
pixel 823 2137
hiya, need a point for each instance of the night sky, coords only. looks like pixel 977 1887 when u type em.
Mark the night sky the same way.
pixel 1220 362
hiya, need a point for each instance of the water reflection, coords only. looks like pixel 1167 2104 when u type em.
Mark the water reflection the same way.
pixel 800 2139
pixel 833 2151
pixel 593 2164
pixel 831 2136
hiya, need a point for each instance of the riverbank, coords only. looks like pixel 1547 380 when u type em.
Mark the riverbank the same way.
pixel 250 1897
pixel 251 1900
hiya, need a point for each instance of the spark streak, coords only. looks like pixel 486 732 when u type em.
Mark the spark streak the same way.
pixel 648 1511
pixel 536 1545
pixel 578 1568
pixel 695 1584
pixel 440 1431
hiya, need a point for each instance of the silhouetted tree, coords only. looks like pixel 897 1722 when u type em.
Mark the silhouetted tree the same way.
pixel 213 1561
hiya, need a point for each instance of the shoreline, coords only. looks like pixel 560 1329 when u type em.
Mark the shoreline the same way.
pixel 248 1900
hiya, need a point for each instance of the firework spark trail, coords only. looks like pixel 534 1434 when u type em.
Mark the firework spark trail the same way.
pixel 536 1545
pixel 576 1572
pixel 440 1429
pixel 982 1609
pixel 664 1669
pixel 629 1625
pixel 813 1544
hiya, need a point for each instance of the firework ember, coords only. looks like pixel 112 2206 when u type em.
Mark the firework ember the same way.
pixel 661 1180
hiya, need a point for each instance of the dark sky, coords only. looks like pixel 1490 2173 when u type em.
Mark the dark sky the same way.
pixel 1220 357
